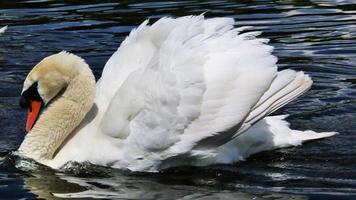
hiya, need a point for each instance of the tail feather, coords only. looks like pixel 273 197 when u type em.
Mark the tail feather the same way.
pixel 270 133
pixel 283 136
pixel 308 135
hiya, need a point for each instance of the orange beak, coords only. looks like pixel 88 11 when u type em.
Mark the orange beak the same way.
pixel 33 112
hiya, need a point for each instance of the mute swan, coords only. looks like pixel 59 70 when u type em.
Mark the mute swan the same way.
pixel 184 91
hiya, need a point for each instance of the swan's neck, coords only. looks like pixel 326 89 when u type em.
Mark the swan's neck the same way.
pixel 61 117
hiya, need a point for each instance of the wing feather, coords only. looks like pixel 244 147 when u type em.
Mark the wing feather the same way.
pixel 286 87
pixel 181 84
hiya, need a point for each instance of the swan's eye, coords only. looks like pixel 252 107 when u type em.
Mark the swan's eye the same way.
pixel 31 94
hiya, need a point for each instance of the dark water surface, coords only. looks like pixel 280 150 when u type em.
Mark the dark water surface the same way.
pixel 318 37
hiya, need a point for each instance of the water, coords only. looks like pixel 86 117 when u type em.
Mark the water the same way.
pixel 318 37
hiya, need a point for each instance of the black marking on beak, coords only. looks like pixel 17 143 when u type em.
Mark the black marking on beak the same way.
pixel 24 102
pixel 30 94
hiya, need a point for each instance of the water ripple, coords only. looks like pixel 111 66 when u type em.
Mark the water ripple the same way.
pixel 316 36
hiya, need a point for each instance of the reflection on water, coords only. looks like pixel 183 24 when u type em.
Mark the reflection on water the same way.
pixel 316 36
pixel 118 185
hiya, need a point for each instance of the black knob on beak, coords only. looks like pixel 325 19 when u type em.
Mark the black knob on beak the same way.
pixel 24 102
pixel 29 95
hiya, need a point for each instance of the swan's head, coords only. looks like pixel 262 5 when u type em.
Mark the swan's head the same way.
pixel 46 81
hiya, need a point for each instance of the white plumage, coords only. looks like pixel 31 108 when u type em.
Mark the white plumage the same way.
pixel 187 91
pixel 3 29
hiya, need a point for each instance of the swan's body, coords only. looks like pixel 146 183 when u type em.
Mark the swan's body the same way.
pixel 185 91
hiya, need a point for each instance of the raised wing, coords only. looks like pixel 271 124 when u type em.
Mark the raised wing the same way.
pixel 180 84
pixel 135 52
